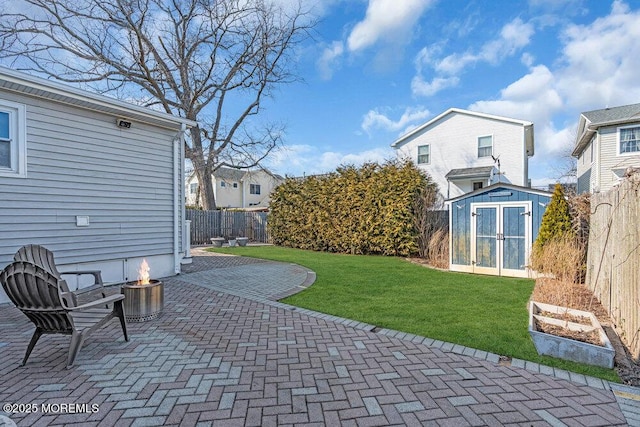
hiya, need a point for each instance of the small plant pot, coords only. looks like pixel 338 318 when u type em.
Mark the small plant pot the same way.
pixel 232 242
pixel 567 348
pixel 242 241
pixel 217 241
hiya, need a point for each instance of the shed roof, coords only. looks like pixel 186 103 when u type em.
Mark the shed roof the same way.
pixel 466 173
pixel 501 185
pixel 19 82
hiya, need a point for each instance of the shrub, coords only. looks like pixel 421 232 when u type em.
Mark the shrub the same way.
pixel 556 221
pixel 559 250
pixel 365 210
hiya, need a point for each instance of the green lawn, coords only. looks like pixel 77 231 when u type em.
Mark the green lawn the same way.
pixel 482 312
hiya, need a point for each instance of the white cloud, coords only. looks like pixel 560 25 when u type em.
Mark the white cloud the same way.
pixel 329 59
pixel 601 61
pixel 388 20
pixel 376 120
pixel 599 67
pixel 420 87
pixel 514 36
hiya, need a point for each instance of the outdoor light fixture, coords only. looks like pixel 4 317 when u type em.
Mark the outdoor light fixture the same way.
pixel 123 123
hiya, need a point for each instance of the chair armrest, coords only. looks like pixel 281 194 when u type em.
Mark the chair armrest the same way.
pixel 97 276
pixel 101 301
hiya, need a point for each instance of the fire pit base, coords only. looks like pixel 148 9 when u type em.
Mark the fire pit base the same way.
pixel 143 302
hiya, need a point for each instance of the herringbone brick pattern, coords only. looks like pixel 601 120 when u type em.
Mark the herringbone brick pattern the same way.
pixel 214 358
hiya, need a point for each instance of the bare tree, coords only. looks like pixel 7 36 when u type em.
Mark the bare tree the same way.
pixel 212 61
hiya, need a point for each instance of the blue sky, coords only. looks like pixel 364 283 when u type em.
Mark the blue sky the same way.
pixel 378 68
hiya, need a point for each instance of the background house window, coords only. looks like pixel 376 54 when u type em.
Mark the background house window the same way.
pixel 477 185
pixel 485 146
pixel 630 140
pixel 254 188
pixel 223 184
pixel 12 139
pixel 424 152
pixel 235 185
pixel 193 188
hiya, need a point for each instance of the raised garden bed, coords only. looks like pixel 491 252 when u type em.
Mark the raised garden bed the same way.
pixel 569 334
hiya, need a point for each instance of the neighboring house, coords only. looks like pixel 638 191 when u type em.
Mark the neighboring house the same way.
pixel 95 180
pixel 607 143
pixel 464 150
pixel 237 188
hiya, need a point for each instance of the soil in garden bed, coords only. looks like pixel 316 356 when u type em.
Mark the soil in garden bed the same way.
pixel 591 337
pixel 567 317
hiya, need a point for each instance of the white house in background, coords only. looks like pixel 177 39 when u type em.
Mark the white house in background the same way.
pixel 95 180
pixel 607 144
pixel 237 188
pixel 465 150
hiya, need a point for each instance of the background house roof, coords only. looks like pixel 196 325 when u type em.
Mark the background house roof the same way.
pixel 607 115
pixel 591 121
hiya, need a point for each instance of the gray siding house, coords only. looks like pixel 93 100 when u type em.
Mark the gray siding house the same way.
pixel 96 180
pixel 607 143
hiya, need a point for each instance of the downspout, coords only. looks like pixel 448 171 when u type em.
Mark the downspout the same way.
pixel 178 211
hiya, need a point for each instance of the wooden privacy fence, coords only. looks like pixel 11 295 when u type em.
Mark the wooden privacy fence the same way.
pixel 613 258
pixel 208 224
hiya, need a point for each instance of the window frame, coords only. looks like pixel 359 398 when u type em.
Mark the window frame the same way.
pixel 254 189
pixel 428 147
pixel 479 148
pixel 17 139
pixel 619 141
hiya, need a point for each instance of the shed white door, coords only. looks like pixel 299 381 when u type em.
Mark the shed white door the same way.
pixel 500 238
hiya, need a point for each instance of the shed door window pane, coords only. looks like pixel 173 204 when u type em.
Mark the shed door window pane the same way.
pixel 630 140
pixel 485 145
pixel 423 154
pixel 5 141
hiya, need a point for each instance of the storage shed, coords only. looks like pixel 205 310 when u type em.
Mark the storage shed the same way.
pixel 493 229
pixel 97 181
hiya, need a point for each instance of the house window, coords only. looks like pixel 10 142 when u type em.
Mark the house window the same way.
pixel 223 184
pixel 193 188
pixel 13 161
pixel 235 185
pixel 254 188
pixel 485 146
pixel 630 140
pixel 477 185
pixel 424 152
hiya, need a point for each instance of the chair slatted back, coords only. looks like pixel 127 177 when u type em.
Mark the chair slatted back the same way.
pixel 35 292
pixel 39 255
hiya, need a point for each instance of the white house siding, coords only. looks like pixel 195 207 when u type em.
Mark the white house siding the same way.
pixel 79 163
pixel 454 144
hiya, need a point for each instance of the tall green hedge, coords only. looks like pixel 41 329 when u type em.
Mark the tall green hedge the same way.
pixel 365 210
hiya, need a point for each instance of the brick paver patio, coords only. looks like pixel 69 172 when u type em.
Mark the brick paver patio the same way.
pixel 216 357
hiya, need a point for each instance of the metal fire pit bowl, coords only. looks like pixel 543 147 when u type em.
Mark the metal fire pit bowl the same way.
pixel 143 302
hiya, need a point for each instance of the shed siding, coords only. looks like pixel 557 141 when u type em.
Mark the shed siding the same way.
pixel 454 144
pixel 80 163
pixel 461 217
